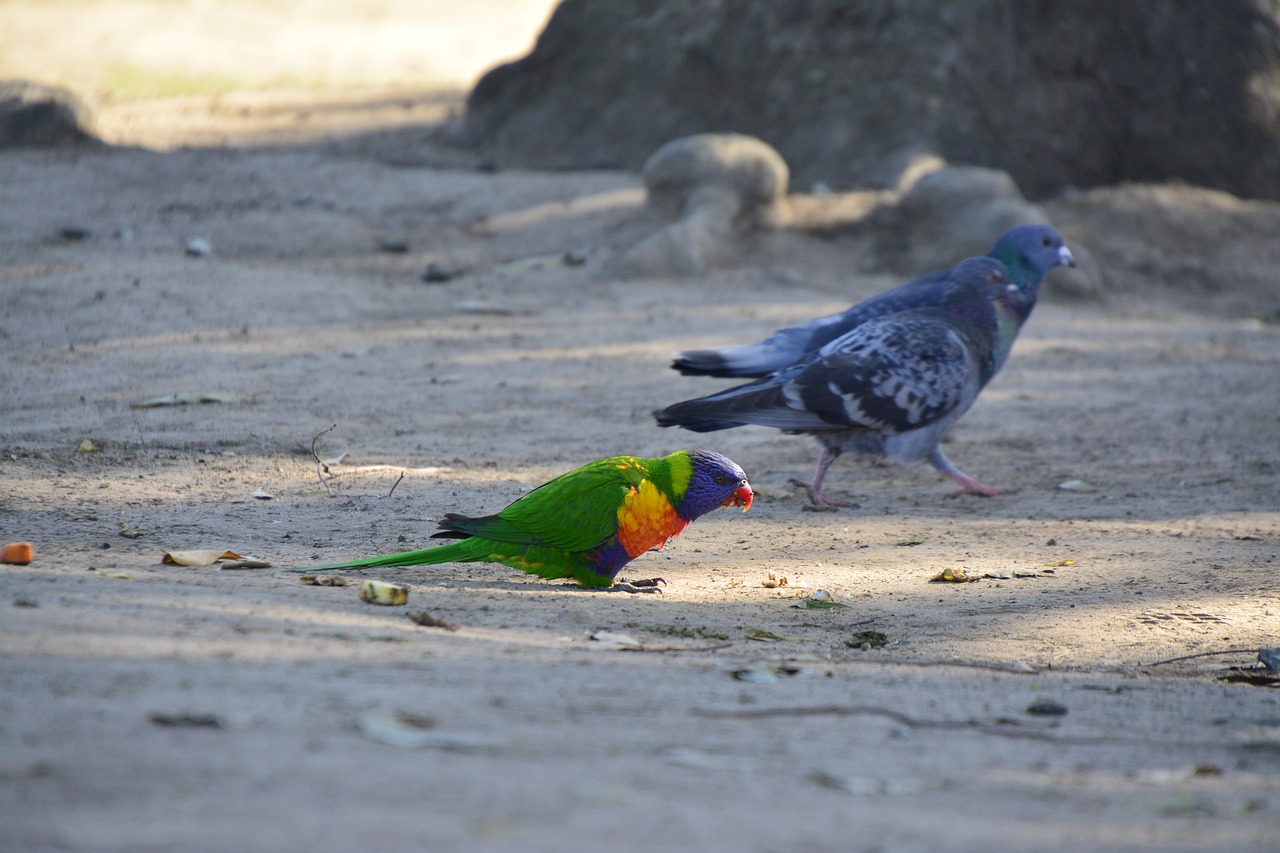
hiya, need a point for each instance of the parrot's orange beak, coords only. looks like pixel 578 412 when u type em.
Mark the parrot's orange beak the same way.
pixel 742 496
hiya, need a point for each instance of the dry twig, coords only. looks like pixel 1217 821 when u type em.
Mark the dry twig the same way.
pixel 1202 655
pixel 321 468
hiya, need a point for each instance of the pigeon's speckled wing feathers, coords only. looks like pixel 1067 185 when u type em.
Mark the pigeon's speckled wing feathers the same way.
pixel 889 375
pixel 788 345
pixel 1027 251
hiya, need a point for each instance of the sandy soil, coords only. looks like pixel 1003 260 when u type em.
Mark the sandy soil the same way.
pixel 150 707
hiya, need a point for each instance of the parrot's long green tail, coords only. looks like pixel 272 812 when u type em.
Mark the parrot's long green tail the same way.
pixel 462 551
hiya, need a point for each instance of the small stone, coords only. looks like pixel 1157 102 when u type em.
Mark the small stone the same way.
pixel 1046 708
pixel 198 247
pixel 437 274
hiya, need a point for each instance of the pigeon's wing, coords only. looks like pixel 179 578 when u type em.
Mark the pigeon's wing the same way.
pixel 892 375
pixel 889 375
pixel 786 346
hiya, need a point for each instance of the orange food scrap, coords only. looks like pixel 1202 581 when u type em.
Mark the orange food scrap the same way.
pixel 18 553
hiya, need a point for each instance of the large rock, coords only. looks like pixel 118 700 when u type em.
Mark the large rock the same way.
pixel 1078 93
pixel 718 185
pixel 34 115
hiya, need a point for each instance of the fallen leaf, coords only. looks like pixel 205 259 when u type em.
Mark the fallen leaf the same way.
pixel 187 399
pixel 124 576
pixel 613 640
pixel 386 594
pixel 773 582
pixel 244 563
pixel 204 557
pixel 413 732
pixel 263 496
pixel 908 541
pixel 131 532
pixel 1076 486
pixel 952 576
pixel 757 676
pixel 764 674
pixel 87 446
pixel 325 580
pixel 1063 563
pixel 820 599
pixel 426 620
pixel 867 640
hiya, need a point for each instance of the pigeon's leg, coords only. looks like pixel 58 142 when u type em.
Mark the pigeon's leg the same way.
pixel 939 460
pixel 814 489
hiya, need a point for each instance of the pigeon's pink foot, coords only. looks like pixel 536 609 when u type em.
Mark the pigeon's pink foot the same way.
pixel 817 498
pixel 973 487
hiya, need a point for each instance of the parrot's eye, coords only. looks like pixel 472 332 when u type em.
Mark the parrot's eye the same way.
pixel 720 479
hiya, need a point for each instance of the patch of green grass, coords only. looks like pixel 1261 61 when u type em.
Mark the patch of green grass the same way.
pixel 132 81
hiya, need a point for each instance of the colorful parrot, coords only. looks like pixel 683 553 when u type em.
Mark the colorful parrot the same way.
pixel 589 523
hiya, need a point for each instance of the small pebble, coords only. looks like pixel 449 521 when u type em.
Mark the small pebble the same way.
pixel 198 247
pixel 437 274
pixel 1046 708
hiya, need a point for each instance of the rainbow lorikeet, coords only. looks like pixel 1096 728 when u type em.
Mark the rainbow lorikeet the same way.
pixel 589 523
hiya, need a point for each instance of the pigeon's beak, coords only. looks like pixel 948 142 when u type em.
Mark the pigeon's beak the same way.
pixel 1065 258
pixel 742 496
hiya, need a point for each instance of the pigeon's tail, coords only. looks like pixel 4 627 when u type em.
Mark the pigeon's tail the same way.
pixel 455 552
pixel 679 415
pixel 761 402
pixel 733 362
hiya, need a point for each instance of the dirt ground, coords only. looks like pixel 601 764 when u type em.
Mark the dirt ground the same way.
pixel 145 706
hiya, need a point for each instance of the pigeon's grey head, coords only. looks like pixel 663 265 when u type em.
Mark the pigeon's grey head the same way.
pixel 979 279
pixel 1030 251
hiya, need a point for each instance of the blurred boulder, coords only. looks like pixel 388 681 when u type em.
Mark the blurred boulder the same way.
pixel 33 115
pixel 717 186
pixel 1057 94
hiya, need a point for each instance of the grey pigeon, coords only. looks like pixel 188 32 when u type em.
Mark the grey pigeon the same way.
pixel 891 387
pixel 1028 252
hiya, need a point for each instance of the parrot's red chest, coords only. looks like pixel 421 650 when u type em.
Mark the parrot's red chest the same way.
pixel 646 520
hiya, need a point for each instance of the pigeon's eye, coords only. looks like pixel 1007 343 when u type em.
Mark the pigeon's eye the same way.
pixel 720 479
pixel 1045 241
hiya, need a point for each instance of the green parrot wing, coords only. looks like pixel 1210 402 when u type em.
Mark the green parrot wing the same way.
pixel 574 512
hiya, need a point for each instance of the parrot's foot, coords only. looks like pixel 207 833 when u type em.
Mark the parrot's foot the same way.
pixel 638 585
pixel 818 499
